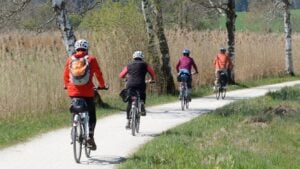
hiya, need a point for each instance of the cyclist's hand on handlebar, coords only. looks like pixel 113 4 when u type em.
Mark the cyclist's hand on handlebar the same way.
pixel 106 87
pixel 65 88
pixel 150 81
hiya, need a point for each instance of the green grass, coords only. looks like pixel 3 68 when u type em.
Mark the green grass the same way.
pixel 245 22
pixel 247 134
pixel 22 128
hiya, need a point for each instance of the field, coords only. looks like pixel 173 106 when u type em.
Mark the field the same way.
pixel 247 21
pixel 32 65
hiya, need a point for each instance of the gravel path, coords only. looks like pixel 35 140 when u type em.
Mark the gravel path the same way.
pixel 53 150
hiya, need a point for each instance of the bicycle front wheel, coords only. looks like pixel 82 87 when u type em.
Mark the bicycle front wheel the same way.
pixel 77 139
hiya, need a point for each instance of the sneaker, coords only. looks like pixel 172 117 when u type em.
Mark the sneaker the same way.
pixel 91 144
pixel 143 111
pixel 128 125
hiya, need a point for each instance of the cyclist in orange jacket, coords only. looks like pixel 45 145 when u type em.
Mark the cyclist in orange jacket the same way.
pixel 222 63
pixel 85 66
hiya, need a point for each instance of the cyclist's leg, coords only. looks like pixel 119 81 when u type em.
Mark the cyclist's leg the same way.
pixel 217 76
pixel 128 109
pixel 142 91
pixel 92 121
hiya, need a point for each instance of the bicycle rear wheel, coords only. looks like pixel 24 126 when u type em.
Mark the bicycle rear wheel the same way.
pixel 77 139
pixel 87 150
pixel 137 125
pixel 133 121
pixel 223 94
pixel 218 90
pixel 186 103
pixel 182 103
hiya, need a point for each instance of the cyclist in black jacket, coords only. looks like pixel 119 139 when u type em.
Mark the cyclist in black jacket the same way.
pixel 136 72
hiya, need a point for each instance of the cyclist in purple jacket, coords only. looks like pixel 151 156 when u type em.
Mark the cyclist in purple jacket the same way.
pixel 184 65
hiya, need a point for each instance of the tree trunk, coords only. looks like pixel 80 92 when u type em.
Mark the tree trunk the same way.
pixel 64 25
pixel 288 39
pixel 168 82
pixel 165 83
pixel 230 25
pixel 68 34
pixel 152 50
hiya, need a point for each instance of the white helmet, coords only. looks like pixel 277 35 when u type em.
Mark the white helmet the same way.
pixel 138 54
pixel 81 44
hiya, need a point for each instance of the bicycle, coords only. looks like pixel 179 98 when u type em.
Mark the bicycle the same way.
pixel 184 96
pixel 132 95
pixel 80 126
pixel 220 87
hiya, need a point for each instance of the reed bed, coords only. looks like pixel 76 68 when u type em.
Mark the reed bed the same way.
pixel 32 64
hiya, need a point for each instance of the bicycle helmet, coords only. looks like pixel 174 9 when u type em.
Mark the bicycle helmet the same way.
pixel 186 51
pixel 222 49
pixel 81 44
pixel 138 54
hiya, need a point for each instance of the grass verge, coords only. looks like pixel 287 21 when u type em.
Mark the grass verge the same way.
pixel 24 127
pixel 258 133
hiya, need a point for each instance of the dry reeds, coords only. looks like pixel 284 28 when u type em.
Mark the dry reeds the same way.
pixel 32 64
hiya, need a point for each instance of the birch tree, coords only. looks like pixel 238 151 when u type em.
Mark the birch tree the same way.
pixel 285 5
pixel 154 25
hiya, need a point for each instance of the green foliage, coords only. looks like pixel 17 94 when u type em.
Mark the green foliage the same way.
pixel 115 17
pixel 75 20
pixel 287 93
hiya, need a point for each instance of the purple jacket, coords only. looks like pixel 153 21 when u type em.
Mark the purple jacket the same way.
pixel 186 62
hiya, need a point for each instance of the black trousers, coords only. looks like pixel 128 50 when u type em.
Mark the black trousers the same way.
pixel 92 114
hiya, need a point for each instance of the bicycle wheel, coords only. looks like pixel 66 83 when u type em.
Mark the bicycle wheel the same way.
pixel 223 95
pixel 217 93
pixel 87 150
pixel 182 103
pixel 186 103
pixel 133 121
pixel 137 124
pixel 77 142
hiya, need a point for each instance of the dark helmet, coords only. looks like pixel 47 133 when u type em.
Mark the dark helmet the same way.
pixel 223 50
pixel 186 51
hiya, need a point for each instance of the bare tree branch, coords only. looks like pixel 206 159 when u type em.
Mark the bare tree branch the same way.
pixel 16 8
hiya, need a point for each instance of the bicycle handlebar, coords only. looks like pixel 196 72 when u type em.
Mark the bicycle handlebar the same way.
pixel 95 88
pixel 102 88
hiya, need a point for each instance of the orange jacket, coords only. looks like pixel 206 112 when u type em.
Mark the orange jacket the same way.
pixel 86 90
pixel 222 61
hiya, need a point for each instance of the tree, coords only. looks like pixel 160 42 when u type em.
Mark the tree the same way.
pixel 285 5
pixel 11 8
pixel 155 27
